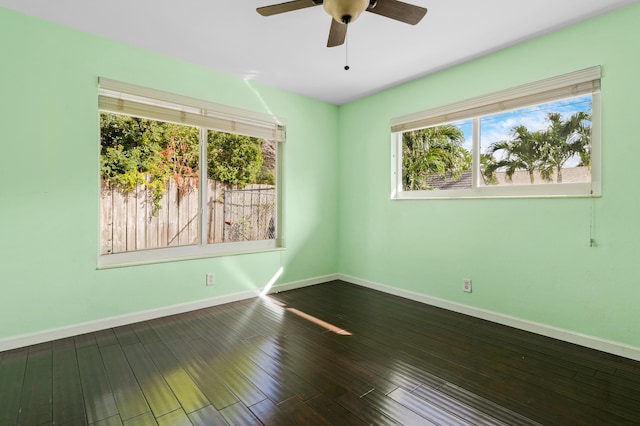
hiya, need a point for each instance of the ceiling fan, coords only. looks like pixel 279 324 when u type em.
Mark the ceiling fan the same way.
pixel 345 12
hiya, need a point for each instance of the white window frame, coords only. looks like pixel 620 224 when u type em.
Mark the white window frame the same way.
pixel 124 98
pixel 574 84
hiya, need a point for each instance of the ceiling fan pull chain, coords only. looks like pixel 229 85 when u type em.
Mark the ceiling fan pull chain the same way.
pixel 346 53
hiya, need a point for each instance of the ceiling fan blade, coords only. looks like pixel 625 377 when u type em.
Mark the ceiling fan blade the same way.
pixel 289 6
pixel 400 11
pixel 337 33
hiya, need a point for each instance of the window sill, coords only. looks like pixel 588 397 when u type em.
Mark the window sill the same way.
pixel 179 254
pixel 579 190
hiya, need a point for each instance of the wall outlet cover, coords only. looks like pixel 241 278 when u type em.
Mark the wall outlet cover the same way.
pixel 211 279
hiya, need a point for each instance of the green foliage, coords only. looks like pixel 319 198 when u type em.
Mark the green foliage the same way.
pixel 433 151
pixel 522 152
pixel 265 176
pixel 545 151
pixel 487 161
pixel 235 159
pixel 137 151
pixel 564 140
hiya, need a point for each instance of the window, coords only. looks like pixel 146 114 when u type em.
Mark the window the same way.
pixel 183 178
pixel 541 139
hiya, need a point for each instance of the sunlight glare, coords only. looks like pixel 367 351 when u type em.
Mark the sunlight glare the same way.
pixel 271 282
pixel 248 82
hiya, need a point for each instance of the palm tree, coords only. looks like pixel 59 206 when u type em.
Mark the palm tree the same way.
pixel 565 139
pixel 487 160
pixel 433 151
pixel 522 152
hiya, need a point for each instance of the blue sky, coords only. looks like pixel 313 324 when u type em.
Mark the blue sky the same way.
pixel 498 127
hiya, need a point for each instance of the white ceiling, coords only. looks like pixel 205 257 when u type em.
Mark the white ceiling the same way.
pixel 288 50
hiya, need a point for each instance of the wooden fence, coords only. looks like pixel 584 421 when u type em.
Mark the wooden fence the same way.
pixel 128 221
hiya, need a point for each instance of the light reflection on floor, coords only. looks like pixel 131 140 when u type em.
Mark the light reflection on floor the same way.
pixel 311 318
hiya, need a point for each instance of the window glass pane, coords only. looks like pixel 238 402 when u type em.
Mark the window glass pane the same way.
pixel 438 158
pixel 548 143
pixel 241 202
pixel 149 187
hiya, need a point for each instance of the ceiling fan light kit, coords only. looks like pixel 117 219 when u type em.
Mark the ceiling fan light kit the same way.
pixel 345 11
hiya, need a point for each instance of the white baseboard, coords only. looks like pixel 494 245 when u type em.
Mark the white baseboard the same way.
pixel 616 348
pixel 304 283
pixel 597 343
pixel 118 321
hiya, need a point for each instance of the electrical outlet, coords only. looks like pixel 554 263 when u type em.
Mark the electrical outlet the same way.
pixel 211 279
pixel 466 286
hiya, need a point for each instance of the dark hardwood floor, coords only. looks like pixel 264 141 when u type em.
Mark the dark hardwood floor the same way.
pixel 333 353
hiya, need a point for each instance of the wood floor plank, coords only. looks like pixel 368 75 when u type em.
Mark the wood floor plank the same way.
pixel 278 347
pixel 397 411
pixel 147 419
pixel 126 390
pixel 269 414
pixel 145 333
pixel 595 397
pixel 182 385
pixel 290 412
pixel 433 406
pixel 268 384
pixel 242 387
pixel 625 375
pixel 12 371
pixel 207 324
pixel 340 369
pixel 35 404
pixel 352 363
pixel 534 403
pixel 364 411
pixel 616 385
pixel 472 407
pixel 75 422
pixel 280 369
pixel 239 415
pixel 99 401
pixel 185 326
pixel 207 416
pixel 159 396
pixel 111 421
pixel 175 418
pixel 242 323
pixel 206 378
pixel 301 412
pixel 164 330
pixel 525 392
pixel 333 412
pixel 105 338
pixel 126 335
pixel 68 401
pixel 85 340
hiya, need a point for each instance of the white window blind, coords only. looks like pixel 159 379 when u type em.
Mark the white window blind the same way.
pixel 129 99
pixel 568 85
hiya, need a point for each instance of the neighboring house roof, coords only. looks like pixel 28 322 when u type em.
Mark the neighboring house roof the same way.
pixel 569 175
pixel 521 177
pixel 440 182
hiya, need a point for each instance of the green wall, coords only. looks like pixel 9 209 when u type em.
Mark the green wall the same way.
pixel 528 258
pixel 49 182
